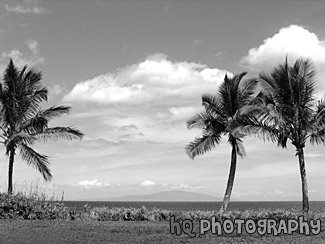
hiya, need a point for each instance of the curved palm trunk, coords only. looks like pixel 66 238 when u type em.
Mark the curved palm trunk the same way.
pixel 231 179
pixel 10 170
pixel 305 200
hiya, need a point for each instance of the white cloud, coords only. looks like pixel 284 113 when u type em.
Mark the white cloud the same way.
pixel 89 183
pixel 147 183
pixel 103 89
pixel 182 111
pixel 21 60
pixel 156 78
pixel 294 41
pixel 183 186
pixel 277 191
pixel 180 186
pixel 25 9
pixel 156 96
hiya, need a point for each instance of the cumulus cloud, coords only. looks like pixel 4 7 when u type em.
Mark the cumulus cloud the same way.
pixel 93 182
pixel 103 89
pixel 20 59
pixel 183 186
pixel 25 9
pixel 156 78
pixel 294 41
pixel 148 101
pixel 147 183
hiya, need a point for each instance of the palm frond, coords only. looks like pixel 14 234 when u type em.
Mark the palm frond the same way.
pixel 240 76
pixel 198 121
pixel 22 93
pixel 303 73
pixel 240 149
pixel 56 133
pixel 32 80
pixel 237 143
pixel 262 126
pixel 17 138
pixel 305 69
pixel 22 75
pixel 317 132
pixel 54 111
pixel 204 120
pixel 317 137
pixel 230 94
pixel 39 161
pixel 247 89
pixel 250 109
pixel 222 111
pixel 33 101
pixel 290 90
pixel 282 139
pixel 213 105
pixel 202 144
pixel 34 125
pixel 39 122
pixel 10 74
pixel 319 115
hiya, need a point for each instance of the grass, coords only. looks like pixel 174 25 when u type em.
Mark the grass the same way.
pixel 82 232
pixel 34 218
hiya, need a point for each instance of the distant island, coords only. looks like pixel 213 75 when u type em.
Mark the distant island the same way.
pixel 170 196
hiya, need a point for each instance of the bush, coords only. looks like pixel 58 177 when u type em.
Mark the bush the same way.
pixel 35 206
pixel 21 206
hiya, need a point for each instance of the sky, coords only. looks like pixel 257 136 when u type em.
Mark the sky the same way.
pixel 134 72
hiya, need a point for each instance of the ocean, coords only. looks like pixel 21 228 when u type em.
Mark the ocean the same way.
pixel 315 206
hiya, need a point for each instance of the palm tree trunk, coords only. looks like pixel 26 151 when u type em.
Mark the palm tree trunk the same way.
pixel 305 200
pixel 231 179
pixel 10 170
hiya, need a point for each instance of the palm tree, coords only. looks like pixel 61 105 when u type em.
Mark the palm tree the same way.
pixel 22 122
pixel 288 110
pixel 220 111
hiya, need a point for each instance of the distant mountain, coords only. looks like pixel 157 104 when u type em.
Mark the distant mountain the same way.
pixel 169 196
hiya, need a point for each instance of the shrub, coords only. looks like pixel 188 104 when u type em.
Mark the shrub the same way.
pixel 38 206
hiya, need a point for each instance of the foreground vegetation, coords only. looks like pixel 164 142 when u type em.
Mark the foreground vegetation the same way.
pixel 35 218
pixel 38 206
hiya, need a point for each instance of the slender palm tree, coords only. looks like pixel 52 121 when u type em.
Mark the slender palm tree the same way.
pixel 23 122
pixel 220 111
pixel 288 110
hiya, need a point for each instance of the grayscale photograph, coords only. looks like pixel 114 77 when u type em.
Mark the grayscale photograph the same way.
pixel 172 121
